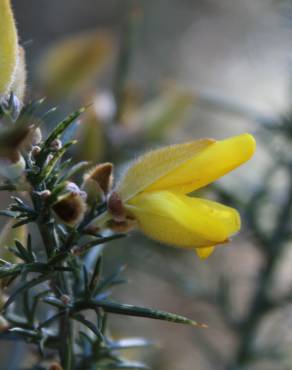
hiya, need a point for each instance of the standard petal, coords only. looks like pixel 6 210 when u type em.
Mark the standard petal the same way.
pixel 183 221
pixel 151 167
pixel 8 47
pixel 207 165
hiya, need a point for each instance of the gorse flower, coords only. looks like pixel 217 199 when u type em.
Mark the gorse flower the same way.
pixel 154 191
pixel 12 64
pixel 8 46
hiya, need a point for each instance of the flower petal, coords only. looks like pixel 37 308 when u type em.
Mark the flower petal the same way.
pixel 204 253
pixel 183 221
pixel 149 168
pixel 207 165
pixel 8 47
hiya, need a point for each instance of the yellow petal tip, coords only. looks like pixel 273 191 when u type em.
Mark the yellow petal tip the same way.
pixel 250 143
pixel 205 252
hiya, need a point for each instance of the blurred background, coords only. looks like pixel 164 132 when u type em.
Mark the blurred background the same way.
pixel 165 71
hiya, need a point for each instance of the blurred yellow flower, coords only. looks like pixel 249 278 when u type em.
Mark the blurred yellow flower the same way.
pixel 153 192
pixel 8 47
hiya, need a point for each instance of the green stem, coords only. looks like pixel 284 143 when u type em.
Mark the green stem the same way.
pixel 261 304
pixel 59 284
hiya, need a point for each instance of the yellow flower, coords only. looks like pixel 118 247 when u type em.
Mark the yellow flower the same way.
pixel 8 47
pixel 153 192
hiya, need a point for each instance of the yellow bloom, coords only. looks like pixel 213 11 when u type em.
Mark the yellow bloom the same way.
pixel 8 47
pixel 153 191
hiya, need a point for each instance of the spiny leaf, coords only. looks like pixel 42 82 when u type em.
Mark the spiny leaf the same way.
pixel 8 213
pixel 56 302
pixel 130 310
pixel 29 249
pixel 84 248
pixel 23 252
pixel 48 169
pixel 26 286
pixel 62 126
pixel 30 334
pixel 95 274
pixel 9 270
pixel 89 325
pixel 24 222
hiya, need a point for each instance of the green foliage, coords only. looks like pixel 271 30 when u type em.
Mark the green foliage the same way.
pixel 50 286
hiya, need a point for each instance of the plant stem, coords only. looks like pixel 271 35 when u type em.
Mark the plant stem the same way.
pixel 274 247
pixel 59 284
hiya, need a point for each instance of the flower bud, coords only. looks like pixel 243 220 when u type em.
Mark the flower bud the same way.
pixel 11 106
pixel 35 151
pixel 71 207
pixel 98 182
pixel 56 144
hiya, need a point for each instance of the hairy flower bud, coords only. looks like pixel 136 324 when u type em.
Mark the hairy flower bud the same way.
pixel 56 144
pixel 71 206
pixel 35 151
pixel 98 182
